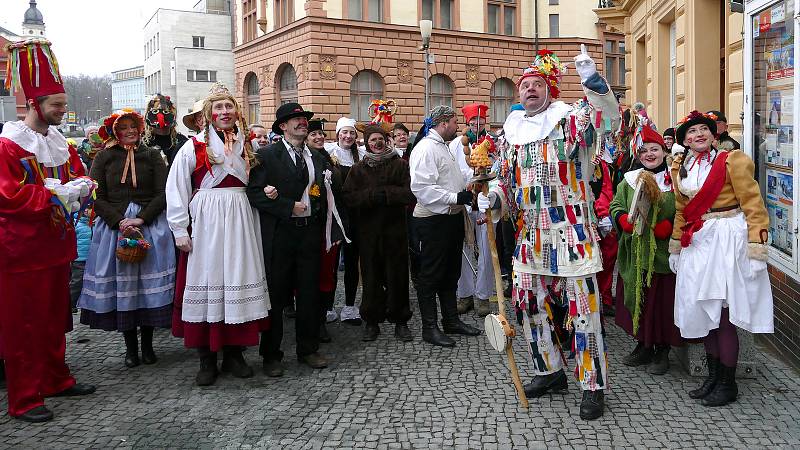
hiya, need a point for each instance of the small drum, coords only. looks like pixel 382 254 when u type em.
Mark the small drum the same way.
pixel 498 331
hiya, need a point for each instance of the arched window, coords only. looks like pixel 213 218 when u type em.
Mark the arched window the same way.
pixel 501 99
pixel 365 87
pixel 287 86
pixel 253 98
pixel 441 89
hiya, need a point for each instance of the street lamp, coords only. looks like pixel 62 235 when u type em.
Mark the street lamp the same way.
pixel 425 28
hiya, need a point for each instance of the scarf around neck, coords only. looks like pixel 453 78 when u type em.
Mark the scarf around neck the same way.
pixel 376 159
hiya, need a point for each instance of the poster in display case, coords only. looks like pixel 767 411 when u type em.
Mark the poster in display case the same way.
pixel 773 146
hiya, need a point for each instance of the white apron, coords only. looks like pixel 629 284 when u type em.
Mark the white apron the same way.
pixel 714 272
pixel 225 273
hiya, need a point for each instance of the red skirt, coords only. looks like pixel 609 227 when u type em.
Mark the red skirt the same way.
pixel 328 266
pixel 656 323
pixel 212 335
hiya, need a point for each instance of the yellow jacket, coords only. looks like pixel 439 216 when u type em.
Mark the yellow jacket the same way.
pixel 740 191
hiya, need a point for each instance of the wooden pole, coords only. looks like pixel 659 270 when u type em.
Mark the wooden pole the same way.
pixel 501 301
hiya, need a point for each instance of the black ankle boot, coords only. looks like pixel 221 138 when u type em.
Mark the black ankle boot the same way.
pixel 725 390
pixel 207 374
pixel 660 362
pixel 430 327
pixel 233 362
pixel 131 348
pixel 148 355
pixel 451 323
pixel 592 405
pixel 640 355
pixel 711 379
pixel 555 382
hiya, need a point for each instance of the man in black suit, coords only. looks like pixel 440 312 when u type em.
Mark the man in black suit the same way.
pixel 291 229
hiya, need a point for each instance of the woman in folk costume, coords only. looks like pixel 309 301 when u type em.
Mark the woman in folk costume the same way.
pixel 221 296
pixel 334 228
pixel 646 288
pixel 548 153
pixel 719 252
pixel 347 153
pixel 118 295
pixel 377 192
pixel 40 186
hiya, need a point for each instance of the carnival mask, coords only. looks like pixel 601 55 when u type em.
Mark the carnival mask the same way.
pixel 160 112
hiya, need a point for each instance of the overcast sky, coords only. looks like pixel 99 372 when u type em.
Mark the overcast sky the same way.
pixel 92 36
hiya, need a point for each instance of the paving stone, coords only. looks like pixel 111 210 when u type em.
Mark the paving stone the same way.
pixel 389 394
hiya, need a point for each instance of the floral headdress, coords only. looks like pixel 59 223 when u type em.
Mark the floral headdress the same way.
pixel 107 130
pixel 694 118
pixel 547 66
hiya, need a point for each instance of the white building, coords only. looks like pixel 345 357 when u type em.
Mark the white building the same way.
pixel 127 89
pixel 186 51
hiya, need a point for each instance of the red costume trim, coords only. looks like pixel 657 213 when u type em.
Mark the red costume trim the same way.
pixel 702 202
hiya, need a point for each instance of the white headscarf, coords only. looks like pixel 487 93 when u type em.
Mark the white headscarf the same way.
pixel 344 122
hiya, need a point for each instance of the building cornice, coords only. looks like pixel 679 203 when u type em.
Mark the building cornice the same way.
pixel 352 24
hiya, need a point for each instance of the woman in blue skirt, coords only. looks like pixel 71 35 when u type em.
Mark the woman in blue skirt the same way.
pixel 119 295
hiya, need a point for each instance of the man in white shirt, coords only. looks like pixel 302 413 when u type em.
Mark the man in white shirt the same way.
pixel 438 222
pixel 476 284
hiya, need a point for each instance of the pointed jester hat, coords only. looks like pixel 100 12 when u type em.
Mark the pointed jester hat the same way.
pixel 33 66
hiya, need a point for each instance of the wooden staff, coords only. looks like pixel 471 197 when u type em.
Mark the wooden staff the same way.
pixel 501 301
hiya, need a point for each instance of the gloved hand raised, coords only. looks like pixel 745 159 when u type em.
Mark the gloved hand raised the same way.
pixel 584 64
pixel 484 202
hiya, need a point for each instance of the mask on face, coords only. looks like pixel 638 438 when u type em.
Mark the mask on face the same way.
pixel 160 112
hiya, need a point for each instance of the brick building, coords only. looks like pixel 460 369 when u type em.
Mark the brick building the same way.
pixel 321 54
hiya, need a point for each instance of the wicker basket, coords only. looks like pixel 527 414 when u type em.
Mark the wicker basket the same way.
pixel 132 254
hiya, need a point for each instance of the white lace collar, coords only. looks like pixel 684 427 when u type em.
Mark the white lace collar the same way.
pixel 661 179
pixel 520 129
pixel 51 150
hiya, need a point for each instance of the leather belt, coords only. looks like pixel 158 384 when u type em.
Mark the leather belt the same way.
pixel 301 221
pixel 724 208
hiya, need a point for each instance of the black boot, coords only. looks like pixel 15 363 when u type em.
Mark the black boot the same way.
pixel 660 363
pixel 371 332
pixel 555 382
pixel 451 323
pixel 640 355
pixel 233 362
pixel 207 374
pixel 131 348
pixel 711 379
pixel 725 391
pixel 148 355
pixel 402 333
pixel 36 415
pixel 592 405
pixel 430 327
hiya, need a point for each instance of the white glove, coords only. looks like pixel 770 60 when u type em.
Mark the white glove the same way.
pixel 604 225
pixel 483 202
pixel 83 186
pixel 585 65
pixel 674 260
pixel 757 266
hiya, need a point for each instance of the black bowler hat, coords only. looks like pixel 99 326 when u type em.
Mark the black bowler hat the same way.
pixel 720 116
pixel 286 112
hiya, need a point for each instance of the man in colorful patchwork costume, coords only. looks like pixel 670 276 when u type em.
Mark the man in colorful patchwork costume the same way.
pixel 546 157
pixel 39 190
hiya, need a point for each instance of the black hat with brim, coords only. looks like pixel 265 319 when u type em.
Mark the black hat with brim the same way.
pixel 720 116
pixel 695 118
pixel 286 112
pixel 669 132
pixel 316 125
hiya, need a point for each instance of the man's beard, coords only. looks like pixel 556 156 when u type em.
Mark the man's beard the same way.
pixel 52 120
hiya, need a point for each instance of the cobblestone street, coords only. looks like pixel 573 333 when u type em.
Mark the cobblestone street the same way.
pixel 388 394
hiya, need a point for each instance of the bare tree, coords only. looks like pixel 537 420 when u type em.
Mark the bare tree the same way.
pixel 89 96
